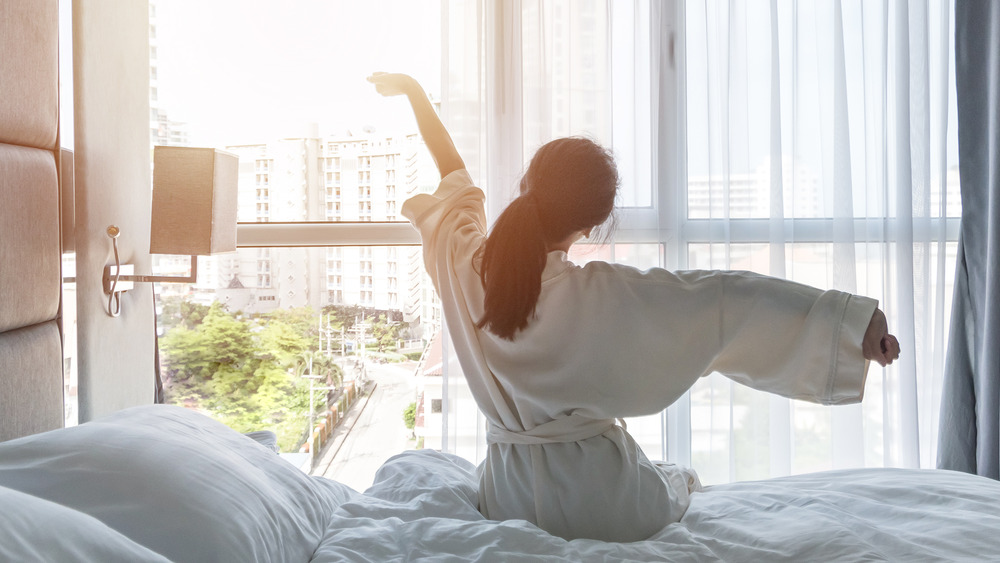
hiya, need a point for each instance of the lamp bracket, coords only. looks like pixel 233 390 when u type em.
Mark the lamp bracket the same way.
pixel 127 279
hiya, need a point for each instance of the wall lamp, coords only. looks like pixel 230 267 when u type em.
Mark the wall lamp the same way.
pixel 193 213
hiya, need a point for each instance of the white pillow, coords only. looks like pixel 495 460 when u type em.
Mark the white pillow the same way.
pixel 179 483
pixel 32 529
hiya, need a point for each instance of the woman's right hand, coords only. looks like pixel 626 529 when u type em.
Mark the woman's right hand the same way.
pixel 393 84
pixel 435 136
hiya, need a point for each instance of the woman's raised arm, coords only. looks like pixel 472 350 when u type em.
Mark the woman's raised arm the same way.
pixel 435 136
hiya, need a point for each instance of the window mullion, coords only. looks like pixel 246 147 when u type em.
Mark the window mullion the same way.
pixel 810 230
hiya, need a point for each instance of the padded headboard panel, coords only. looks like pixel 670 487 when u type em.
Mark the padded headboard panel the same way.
pixel 31 382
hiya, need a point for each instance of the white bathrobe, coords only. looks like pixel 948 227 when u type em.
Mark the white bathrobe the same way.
pixel 611 341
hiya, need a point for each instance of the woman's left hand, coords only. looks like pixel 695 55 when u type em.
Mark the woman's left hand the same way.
pixel 878 344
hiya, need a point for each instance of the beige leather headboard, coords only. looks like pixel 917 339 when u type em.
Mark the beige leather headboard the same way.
pixel 31 382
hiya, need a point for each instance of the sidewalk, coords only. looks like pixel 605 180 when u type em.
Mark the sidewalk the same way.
pixel 340 432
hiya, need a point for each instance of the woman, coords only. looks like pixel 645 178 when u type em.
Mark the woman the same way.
pixel 555 353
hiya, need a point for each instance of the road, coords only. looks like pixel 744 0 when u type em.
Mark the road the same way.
pixel 379 432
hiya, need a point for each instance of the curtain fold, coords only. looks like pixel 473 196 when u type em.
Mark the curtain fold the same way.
pixel 970 413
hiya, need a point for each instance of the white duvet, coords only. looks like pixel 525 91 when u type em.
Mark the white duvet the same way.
pixel 162 483
pixel 422 506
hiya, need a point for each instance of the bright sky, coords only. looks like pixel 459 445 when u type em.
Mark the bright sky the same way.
pixel 251 71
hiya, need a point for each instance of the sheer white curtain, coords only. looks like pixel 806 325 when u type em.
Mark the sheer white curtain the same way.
pixel 810 141
pixel 818 141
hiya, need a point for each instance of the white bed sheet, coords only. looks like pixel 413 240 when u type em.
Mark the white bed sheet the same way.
pixel 421 507
pixel 161 482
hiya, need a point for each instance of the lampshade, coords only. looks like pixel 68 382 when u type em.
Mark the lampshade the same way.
pixel 194 201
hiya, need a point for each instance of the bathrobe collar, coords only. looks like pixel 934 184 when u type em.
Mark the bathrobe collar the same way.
pixel 557 263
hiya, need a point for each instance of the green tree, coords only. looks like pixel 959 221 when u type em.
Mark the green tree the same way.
pixel 232 343
pixel 176 311
pixel 282 340
pixel 385 332
pixel 343 315
pixel 347 316
pixel 327 368
pixel 302 320
pixel 242 373
pixel 410 417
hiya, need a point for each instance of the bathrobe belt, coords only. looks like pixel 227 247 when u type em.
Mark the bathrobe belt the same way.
pixel 566 429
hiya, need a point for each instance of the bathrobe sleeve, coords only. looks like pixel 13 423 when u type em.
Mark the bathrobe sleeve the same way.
pixel 768 333
pixel 451 222
pixel 792 339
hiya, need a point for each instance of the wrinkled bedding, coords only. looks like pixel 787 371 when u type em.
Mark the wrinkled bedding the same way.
pixel 422 506
pixel 162 483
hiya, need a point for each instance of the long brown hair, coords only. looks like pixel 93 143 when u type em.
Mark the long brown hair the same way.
pixel 570 186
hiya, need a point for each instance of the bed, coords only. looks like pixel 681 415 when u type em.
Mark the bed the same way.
pixel 162 483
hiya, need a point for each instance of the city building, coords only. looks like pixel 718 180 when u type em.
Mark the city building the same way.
pixel 162 131
pixel 337 178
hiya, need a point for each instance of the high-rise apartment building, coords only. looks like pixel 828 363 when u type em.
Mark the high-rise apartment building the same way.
pixel 340 178
pixel 162 131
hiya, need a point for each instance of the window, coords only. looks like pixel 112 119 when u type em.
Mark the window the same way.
pixel 697 192
pixel 314 177
pixel 712 177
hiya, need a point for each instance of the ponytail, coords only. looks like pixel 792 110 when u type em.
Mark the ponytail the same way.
pixel 570 186
pixel 513 259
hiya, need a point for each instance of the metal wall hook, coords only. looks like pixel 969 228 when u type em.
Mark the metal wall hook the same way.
pixel 119 278
pixel 114 297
